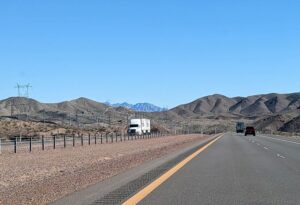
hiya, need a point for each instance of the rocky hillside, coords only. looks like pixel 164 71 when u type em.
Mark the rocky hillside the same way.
pixel 278 112
pixel 79 110
pixel 252 106
pixel 293 125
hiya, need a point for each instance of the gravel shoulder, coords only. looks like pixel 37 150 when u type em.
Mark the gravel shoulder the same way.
pixel 43 177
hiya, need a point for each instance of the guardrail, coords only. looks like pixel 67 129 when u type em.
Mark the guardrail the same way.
pixel 56 142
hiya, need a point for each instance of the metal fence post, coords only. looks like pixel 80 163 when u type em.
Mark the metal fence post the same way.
pixel 15 145
pixel 106 137
pixel 81 140
pixel 43 143
pixel 89 139
pixel 101 138
pixel 116 137
pixel 95 138
pixel 112 138
pixel 65 144
pixel 73 140
pixel 30 144
pixel 54 142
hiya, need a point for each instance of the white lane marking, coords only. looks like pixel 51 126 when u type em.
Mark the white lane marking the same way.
pixel 280 140
pixel 266 148
pixel 278 155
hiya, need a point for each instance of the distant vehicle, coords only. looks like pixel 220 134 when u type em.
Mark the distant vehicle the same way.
pixel 240 127
pixel 139 126
pixel 250 131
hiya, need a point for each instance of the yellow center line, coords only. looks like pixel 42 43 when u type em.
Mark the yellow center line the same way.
pixel 151 187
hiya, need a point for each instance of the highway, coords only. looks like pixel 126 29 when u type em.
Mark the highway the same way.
pixel 234 170
pixel 230 169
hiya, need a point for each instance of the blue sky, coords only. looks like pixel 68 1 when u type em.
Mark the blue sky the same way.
pixel 163 52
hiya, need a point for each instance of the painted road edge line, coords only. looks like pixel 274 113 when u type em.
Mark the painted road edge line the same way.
pixel 138 197
pixel 279 139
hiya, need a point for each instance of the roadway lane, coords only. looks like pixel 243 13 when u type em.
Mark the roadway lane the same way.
pixel 236 170
pixel 280 147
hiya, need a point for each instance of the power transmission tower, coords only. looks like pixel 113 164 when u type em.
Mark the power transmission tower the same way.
pixel 23 90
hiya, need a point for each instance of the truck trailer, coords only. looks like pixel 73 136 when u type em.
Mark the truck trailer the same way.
pixel 139 126
pixel 240 127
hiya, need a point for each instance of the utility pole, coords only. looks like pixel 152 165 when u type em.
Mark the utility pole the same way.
pixel 70 120
pixel 27 113
pixel 77 119
pixel 44 120
pixel 12 107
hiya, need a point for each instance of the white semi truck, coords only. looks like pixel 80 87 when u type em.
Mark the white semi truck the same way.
pixel 139 126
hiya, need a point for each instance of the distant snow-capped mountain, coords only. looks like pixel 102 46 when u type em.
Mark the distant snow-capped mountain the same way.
pixel 140 107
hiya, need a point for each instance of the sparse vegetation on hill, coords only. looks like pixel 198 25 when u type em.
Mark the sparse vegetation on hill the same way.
pixel 28 117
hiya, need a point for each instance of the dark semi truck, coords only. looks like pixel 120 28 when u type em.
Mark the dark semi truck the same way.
pixel 240 127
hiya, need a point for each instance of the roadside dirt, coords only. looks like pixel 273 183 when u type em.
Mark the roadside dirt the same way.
pixel 45 176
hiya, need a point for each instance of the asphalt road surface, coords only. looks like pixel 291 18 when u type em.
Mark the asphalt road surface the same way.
pixel 236 170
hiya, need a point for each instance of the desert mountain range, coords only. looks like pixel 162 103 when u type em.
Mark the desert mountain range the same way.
pixel 139 107
pixel 252 106
pixel 269 111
